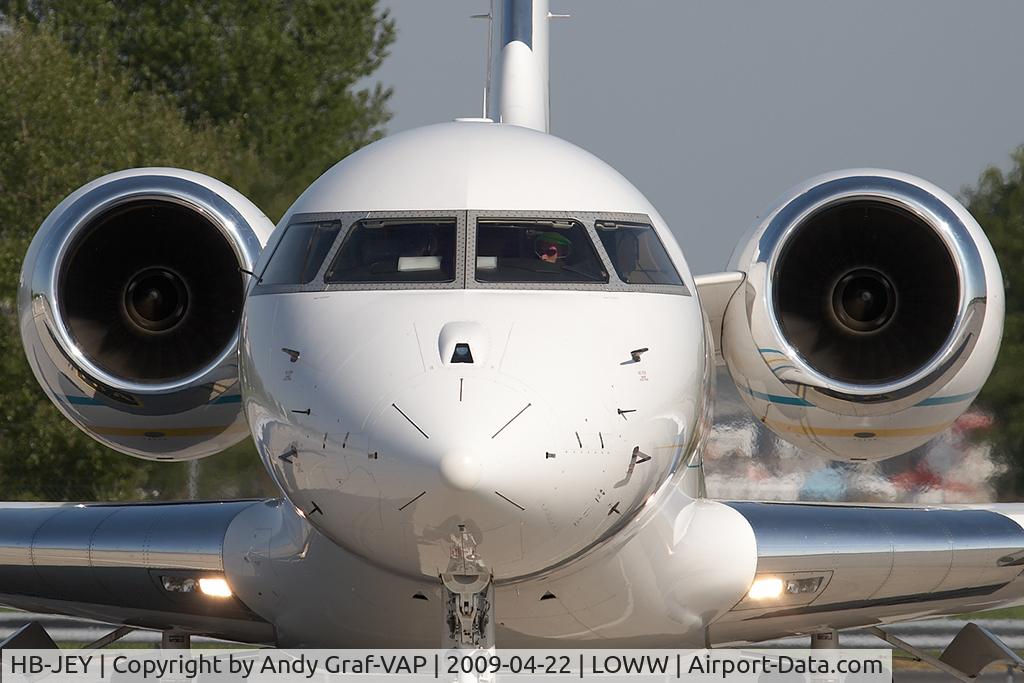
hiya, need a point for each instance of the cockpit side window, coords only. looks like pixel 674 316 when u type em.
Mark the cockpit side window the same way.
pixel 300 253
pixel 637 253
pixel 396 250
pixel 535 250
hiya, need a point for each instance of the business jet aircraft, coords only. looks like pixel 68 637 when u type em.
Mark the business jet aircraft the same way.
pixel 475 362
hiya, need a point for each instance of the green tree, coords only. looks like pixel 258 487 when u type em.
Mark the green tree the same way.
pixel 260 95
pixel 63 122
pixel 286 70
pixel 997 202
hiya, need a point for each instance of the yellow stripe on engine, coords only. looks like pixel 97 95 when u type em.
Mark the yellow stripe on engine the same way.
pixel 157 432
pixel 808 430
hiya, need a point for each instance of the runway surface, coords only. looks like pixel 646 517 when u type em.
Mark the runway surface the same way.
pixel 931 635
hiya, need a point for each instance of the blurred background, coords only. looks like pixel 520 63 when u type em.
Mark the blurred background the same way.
pixel 711 108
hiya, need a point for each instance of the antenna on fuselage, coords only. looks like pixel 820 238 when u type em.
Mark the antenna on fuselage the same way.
pixel 516 90
pixel 490 54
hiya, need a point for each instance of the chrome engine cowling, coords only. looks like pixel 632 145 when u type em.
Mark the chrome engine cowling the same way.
pixel 130 302
pixel 870 315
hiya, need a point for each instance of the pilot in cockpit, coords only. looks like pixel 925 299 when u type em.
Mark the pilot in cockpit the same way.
pixel 551 247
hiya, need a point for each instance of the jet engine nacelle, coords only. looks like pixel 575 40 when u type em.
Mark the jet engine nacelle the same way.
pixel 870 315
pixel 130 300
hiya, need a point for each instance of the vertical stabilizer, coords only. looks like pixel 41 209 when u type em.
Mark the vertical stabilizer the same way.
pixel 518 87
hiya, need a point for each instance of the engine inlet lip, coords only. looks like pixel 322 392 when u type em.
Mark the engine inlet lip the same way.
pixel 76 220
pixel 921 200
pixel 851 322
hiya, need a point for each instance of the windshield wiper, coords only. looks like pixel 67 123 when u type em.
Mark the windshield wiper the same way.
pixel 549 269
pixel 589 276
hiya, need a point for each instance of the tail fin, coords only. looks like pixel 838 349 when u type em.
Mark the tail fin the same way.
pixel 517 90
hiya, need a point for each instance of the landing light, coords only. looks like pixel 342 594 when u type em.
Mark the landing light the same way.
pixel 215 588
pixel 767 588
pixel 211 586
pixel 774 587
pixel 177 584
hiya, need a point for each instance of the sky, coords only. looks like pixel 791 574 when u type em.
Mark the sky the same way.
pixel 713 108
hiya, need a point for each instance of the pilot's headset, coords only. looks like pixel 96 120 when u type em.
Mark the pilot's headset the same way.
pixel 551 243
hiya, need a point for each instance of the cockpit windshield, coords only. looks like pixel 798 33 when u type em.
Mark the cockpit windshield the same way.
pixel 396 250
pixel 536 250
pixel 301 252
pixel 637 253
pixel 469 249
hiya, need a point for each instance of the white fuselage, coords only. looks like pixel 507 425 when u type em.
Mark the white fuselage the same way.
pixel 473 358
pixel 550 441
pixel 530 448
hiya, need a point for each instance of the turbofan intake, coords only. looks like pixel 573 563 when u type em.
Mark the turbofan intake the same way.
pixel 131 300
pixel 869 317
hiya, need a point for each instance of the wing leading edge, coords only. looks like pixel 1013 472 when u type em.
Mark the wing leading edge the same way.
pixel 840 566
pixel 114 563
pixel 845 566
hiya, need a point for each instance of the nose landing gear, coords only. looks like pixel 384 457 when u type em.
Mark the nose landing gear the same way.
pixel 469 597
pixel 469 607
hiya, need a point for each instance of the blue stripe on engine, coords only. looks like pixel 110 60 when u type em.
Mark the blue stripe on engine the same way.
pixel 775 398
pixel 82 401
pixel 797 401
pixel 945 400
pixel 89 401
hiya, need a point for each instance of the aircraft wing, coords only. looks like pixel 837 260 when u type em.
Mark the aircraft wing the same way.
pixel 125 564
pixel 822 566
pixel 836 567
pixel 715 290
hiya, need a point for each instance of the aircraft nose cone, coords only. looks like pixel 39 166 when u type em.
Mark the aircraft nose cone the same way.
pixel 461 470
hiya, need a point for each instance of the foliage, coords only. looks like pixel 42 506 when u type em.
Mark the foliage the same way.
pixel 259 95
pixel 998 204
pixel 63 123
pixel 286 70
